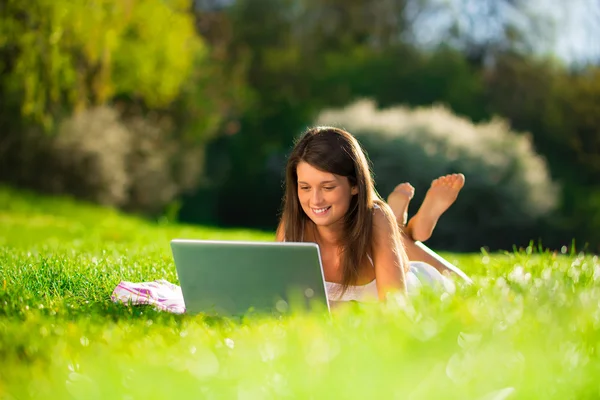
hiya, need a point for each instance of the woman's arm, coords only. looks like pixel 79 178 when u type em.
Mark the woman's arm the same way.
pixel 389 256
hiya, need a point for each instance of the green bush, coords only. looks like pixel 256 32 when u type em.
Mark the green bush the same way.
pixel 508 189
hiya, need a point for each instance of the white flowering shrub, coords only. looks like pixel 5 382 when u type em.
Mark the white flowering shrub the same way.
pixel 90 153
pixel 132 163
pixel 160 167
pixel 508 188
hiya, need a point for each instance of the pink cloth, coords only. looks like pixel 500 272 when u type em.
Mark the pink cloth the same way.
pixel 162 294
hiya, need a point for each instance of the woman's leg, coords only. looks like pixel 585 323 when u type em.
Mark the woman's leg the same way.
pixel 439 197
pixel 426 275
pixel 417 251
pixel 398 201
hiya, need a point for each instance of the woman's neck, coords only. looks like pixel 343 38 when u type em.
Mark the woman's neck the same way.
pixel 328 235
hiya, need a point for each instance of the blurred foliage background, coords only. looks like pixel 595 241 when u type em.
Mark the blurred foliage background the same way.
pixel 185 110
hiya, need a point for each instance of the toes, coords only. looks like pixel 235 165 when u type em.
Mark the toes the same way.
pixel 454 181
pixel 404 185
pixel 441 181
pixel 406 188
pixel 458 181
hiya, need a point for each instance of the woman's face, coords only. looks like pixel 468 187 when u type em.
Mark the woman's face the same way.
pixel 324 197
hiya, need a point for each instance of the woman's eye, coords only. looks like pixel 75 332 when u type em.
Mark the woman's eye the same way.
pixel 329 188
pixel 304 188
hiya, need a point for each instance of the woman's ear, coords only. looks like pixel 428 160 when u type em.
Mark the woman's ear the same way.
pixel 354 190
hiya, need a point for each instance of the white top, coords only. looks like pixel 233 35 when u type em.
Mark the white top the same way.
pixel 366 292
pixel 363 293
pixel 418 273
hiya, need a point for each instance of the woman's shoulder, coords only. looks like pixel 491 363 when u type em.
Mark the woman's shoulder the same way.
pixel 384 222
pixel 382 214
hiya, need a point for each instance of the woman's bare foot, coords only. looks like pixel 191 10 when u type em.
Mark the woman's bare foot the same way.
pixel 398 201
pixel 439 198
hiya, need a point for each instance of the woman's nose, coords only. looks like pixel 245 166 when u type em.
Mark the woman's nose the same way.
pixel 316 197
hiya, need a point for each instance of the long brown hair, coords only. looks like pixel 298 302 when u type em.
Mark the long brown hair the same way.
pixel 336 151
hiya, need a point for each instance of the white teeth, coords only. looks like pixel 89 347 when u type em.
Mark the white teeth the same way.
pixel 320 210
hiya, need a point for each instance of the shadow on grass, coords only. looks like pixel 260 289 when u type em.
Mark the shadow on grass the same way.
pixel 104 312
pixel 84 312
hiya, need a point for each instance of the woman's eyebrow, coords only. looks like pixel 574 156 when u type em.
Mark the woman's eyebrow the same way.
pixel 322 183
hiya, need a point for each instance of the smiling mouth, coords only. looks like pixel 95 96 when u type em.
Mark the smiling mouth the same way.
pixel 321 211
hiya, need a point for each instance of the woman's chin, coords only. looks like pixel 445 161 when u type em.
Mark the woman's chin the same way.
pixel 325 222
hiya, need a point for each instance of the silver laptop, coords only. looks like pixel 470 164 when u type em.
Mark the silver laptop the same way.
pixel 241 278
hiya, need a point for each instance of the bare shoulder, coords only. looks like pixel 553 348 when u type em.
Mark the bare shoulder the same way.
pixel 383 222
pixel 386 234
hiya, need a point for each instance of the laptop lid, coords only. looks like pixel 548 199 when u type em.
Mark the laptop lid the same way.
pixel 235 278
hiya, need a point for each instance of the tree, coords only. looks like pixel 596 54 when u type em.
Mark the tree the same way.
pixel 59 56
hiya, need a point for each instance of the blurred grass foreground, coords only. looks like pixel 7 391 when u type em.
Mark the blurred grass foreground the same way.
pixel 528 328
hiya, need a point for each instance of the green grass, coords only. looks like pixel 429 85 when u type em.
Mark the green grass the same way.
pixel 530 323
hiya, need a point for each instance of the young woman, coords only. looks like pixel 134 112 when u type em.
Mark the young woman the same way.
pixel 365 243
